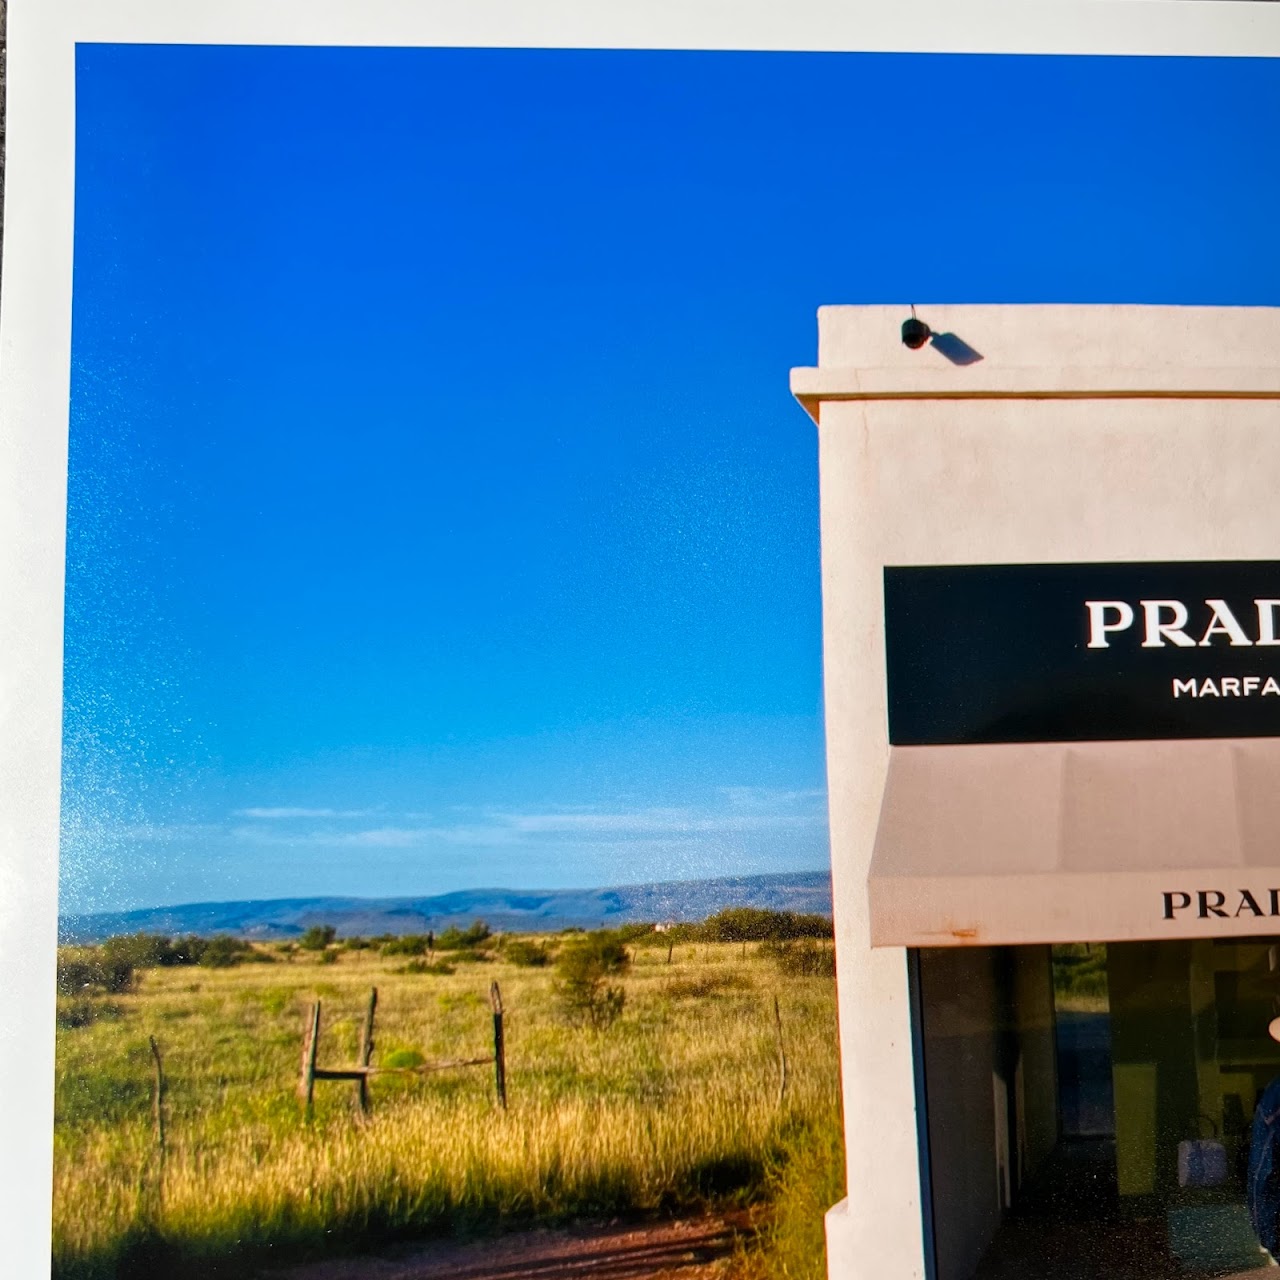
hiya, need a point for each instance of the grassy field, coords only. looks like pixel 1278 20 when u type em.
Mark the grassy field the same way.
pixel 1080 977
pixel 673 1106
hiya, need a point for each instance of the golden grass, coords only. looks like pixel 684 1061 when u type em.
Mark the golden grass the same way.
pixel 675 1105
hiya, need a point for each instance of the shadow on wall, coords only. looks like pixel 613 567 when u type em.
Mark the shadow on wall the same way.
pixel 957 350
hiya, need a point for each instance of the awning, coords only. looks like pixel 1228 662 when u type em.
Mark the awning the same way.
pixel 1095 841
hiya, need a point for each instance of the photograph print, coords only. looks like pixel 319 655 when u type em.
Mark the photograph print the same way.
pixel 444 824
pixel 444 875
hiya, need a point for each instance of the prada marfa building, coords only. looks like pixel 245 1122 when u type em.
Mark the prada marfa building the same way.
pixel 1051 588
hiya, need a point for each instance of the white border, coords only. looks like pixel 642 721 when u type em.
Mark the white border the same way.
pixel 1190 27
pixel 35 339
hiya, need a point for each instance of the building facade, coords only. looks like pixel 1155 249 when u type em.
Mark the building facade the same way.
pixel 1051 592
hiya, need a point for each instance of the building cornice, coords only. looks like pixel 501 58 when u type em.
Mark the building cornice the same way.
pixel 814 386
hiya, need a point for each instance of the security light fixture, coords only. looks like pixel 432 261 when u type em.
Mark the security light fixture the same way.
pixel 915 333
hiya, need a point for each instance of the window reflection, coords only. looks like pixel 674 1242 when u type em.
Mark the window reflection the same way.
pixel 1089 1108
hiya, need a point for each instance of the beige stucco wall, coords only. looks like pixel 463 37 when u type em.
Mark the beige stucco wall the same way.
pixel 1084 433
pixel 961 988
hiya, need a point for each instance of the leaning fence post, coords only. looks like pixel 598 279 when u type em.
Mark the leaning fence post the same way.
pixel 310 1042
pixel 157 1102
pixel 782 1053
pixel 499 1047
pixel 152 1203
pixel 366 1049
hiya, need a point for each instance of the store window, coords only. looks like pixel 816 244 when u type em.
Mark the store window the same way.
pixel 1089 1108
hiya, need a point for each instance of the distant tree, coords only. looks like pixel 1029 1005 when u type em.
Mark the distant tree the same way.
pixel 409 944
pixel 224 951
pixel 186 950
pixel 141 950
pixel 455 939
pixel 753 924
pixel 318 937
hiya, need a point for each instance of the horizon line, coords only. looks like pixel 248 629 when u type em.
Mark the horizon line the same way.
pixel 418 897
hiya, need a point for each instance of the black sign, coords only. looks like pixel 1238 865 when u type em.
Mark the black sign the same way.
pixel 1074 652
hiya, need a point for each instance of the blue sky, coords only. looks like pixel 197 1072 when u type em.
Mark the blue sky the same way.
pixel 438 515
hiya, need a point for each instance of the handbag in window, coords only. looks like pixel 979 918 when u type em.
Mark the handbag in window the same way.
pixel 1202 1162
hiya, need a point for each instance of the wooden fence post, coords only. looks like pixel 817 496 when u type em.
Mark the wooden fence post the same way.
pixel 782 1053
pixel 310 1043
pixel 366 1050
pixel 157 1102
pixel 499 1047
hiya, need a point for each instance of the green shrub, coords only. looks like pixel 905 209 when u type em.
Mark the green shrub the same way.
pixel 84 971
pixel 583 970
pixel 526 953
pixel 437 969
pixel 318 937
pixel 455 939
pixel 703 986
pixel 411 944
pixel 403 1058
pixel 223 951
pixel 803 959
pixel 84 1012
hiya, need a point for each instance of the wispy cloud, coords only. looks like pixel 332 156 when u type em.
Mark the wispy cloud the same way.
pixel 771 799
pixel 280 849
pixel 378 837
pixel 798 811
pixel 730 815
pixel 385 837
pixel 644 822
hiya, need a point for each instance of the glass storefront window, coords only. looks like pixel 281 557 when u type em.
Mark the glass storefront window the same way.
pixel 1088 1108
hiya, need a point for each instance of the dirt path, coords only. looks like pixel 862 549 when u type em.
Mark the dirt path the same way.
pixel 685 1249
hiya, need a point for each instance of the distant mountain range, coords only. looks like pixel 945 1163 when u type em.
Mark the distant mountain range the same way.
pixel 504 910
